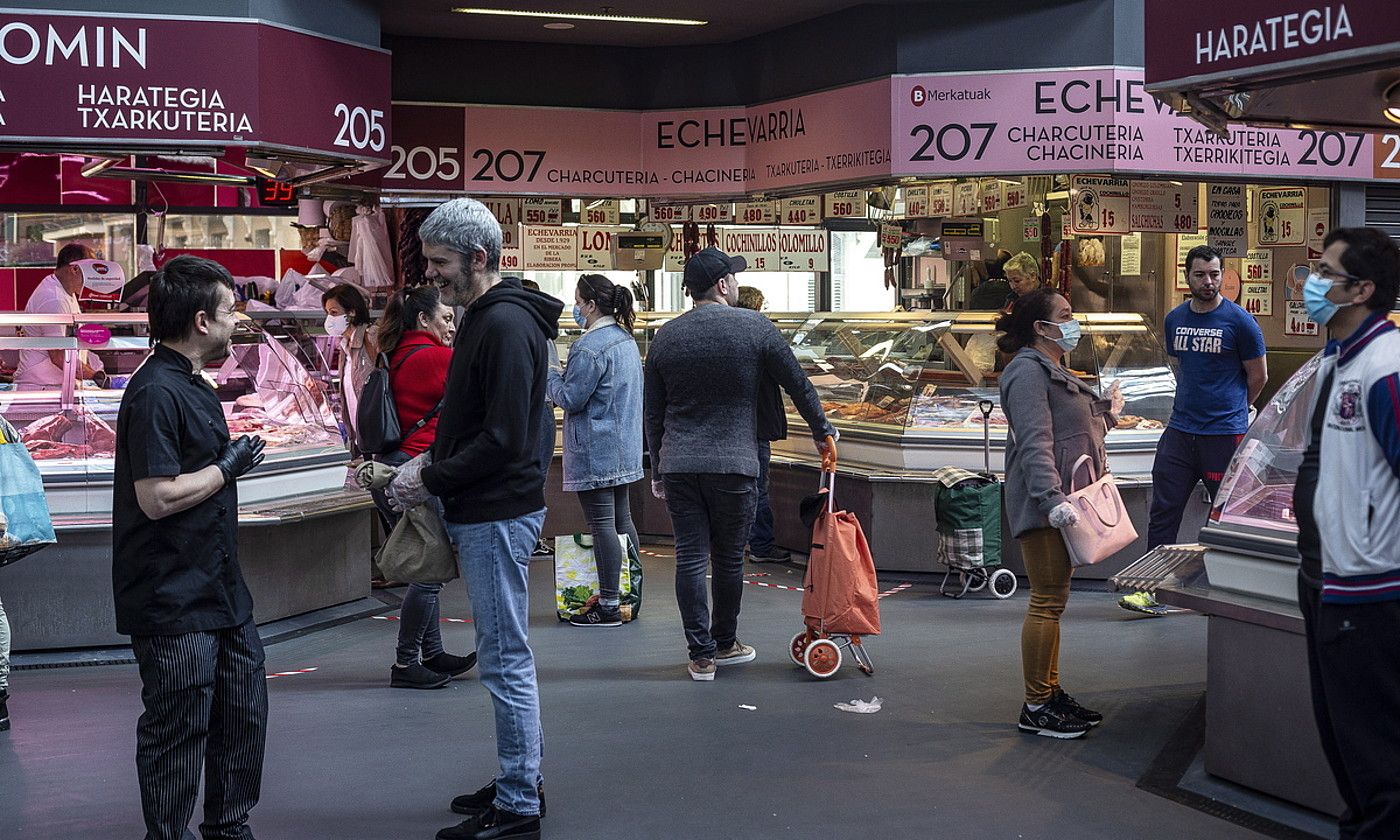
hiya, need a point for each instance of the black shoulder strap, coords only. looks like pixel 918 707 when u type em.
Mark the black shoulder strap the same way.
pixel 404 359
pixel 431 414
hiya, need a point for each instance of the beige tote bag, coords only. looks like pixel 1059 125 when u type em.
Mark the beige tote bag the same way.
pixel 1104 528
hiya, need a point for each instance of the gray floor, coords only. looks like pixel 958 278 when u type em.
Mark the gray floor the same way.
pixel 637 750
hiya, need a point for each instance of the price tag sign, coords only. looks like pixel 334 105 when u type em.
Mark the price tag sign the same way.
pixel 916 202
pixel 712 213
pixel 595 247
pixel 940 199
pixel 550 248
pixel 675 257
pixel 1163 207
pixel 1258 266
pixel 756 212
pixel 1015 195
pixel 1257 298
pixel 848 204
pixel 607 211
pixel 966 201
pixel 1298 322
pixel 804 250
pixel 512 259
pixel 991 193
pixel 1184 243
pixel 759 246
pixel 543 211
pixel 803 210
pixel 508 212
pixel 1283 217
pixel 890 236
pixel 668 212
pixel 1226 222
pixel 1099 205
pixel 1030 229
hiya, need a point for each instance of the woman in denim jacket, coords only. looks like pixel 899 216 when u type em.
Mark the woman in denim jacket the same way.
pixel 601 395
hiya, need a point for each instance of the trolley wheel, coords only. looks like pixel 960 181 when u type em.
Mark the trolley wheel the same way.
pixel 1003 583
pixel 823 658
pixel 979 580
pixel 797 647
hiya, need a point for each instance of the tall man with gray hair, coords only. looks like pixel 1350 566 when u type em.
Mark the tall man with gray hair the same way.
pixel 494 441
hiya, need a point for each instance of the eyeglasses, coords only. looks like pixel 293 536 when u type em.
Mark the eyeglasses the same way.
pixel 1327 272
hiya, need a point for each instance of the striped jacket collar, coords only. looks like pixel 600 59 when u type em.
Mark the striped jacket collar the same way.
pixel 1376 324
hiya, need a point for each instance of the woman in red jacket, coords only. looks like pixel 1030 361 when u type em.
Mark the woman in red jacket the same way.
pixel 416 334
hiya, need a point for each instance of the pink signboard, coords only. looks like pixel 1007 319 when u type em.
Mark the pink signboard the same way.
pixel 1093 121
pixel 115 79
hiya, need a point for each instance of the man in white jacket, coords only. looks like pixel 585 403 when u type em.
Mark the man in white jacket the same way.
pixel 1347 501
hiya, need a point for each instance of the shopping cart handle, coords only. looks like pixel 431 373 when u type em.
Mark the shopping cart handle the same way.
pixel 985 406
pixel 829 454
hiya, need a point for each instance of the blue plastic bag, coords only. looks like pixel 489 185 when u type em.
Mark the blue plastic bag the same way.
pixel 26 527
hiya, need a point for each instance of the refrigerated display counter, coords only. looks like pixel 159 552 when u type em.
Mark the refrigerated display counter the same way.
pixel 303 536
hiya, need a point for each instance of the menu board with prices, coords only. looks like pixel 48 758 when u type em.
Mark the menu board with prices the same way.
pixel 916 202
pixel 543 211
pixel 550 248
pixel 600 211
pixel 712 213
pixel 1226 222
pixel 966 201
pixel 802 210
pixel 1099 205
pixel 756 212
pixel 991 194
pixel 1282 216
pixel 1164 207
pixel 847 204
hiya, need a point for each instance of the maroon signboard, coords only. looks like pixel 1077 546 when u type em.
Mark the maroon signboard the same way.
pixel 127 80
pixel 1205 40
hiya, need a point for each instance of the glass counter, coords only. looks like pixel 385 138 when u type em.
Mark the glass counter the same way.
pixel 264 387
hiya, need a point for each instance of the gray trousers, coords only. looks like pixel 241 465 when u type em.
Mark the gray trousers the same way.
pixel 206 708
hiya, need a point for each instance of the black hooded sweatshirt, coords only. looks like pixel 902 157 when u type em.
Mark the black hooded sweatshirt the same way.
pixel 495 435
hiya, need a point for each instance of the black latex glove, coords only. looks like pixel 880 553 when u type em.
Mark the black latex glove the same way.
pixel 239 456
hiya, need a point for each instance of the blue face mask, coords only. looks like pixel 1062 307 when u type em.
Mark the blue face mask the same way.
pixel 1070 331
pixel 1315 290
pixel 578 317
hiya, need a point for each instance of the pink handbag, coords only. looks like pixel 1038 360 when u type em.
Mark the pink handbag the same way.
pixel 1104 527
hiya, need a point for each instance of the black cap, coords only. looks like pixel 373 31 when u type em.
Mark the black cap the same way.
pixel 708 267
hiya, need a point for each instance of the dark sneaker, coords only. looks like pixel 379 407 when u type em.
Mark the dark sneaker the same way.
pixel 4 711
pixel 701 670
pixel 452 666
pixel 494 824
pixel 473 804
pixel 1069 704
pixel 598 616
pixel 416 676
pixel 1052 721
pixel 735 654
pixel 772 554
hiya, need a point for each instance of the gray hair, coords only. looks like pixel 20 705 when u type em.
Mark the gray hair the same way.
pixel 465 226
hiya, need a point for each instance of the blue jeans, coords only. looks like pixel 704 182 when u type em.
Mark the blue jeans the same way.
pixel 761 535
pixel 711 514
pixel 495 562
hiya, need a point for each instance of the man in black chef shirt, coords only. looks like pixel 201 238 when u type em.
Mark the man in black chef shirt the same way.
pixel 179 592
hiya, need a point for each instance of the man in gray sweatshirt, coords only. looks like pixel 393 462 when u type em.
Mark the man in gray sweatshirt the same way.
pixel 703 374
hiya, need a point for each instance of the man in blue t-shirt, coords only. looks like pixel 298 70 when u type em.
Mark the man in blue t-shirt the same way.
pixel 1219 352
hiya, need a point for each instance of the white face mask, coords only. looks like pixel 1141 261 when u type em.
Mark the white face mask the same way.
pixel 336 325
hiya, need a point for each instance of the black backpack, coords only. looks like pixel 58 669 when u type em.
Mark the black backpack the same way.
pixel 377 418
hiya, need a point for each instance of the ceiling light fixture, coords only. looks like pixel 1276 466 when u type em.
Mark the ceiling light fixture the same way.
pixel 558 24
pixel 1391 109
pixel 608 18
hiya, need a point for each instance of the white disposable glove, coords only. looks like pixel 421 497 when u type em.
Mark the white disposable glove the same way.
pixel 1063 515
pixel 1253 415
pixel 406 491
pixel 658 489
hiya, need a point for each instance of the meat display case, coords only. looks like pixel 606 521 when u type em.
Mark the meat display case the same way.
pixel 304 537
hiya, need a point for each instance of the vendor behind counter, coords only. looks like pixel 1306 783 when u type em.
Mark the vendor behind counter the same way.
pixel 56 294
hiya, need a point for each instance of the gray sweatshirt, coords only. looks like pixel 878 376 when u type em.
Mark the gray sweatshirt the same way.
pixel 703 374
